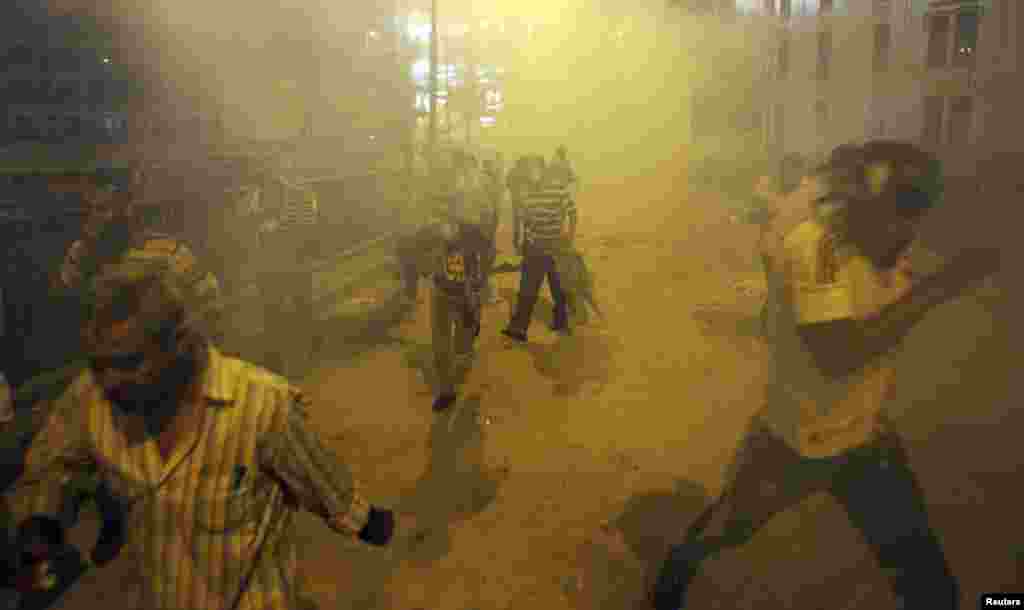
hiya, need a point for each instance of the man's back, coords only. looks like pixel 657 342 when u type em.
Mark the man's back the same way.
pixel 545 211
pixel 819 282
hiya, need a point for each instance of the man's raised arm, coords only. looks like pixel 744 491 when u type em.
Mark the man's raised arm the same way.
pixel 843 346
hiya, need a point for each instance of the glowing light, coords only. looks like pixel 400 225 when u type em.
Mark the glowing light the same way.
pixel 419 32
pixel 421 68
pixel 487 121
pixel 106 60
pixel 373 35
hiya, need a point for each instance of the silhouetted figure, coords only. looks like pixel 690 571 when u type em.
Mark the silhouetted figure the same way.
pixel 844 307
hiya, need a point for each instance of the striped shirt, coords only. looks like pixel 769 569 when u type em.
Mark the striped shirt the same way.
pixel 300 210
pixel 213 526
pixel 544 214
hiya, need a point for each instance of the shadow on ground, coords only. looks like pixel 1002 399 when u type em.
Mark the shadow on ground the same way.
pixel 653 521
pixel 573 361
pixel 456 485
pixel 719 322
pixel 617 566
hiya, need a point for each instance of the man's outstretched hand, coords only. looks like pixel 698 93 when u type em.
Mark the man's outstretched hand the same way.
pixel 380 527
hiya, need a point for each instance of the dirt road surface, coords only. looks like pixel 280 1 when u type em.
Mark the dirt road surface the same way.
pixel 570 464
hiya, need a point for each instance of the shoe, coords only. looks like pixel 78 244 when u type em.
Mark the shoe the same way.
pixel 107 548
pixel 564 329
pixel 443 402
pixel 674 578
pixel 514 335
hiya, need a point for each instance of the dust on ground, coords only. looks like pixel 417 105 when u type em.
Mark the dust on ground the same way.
pixel 570 464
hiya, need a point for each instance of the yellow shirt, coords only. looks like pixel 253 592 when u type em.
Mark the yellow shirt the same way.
pixel 817 415
pixel 212 527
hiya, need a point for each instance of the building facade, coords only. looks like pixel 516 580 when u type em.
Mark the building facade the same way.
pixel 996 132
pixel 53 92
pixel 844 71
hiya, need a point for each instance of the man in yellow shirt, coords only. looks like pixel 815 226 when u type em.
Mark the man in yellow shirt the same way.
pixel 845 303
pixel 210 456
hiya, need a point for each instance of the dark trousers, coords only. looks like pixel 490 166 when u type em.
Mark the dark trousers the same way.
pixel 452 338
pixel 410 274
pixel 536 266
pixel 873 484
pixel 110 509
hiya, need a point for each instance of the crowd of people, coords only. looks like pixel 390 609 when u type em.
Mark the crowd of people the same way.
pixel 457 248
pixel 198 460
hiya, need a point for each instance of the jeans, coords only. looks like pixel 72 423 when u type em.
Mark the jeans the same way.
pixel 452 337
pixel 538 265
pixel 873 484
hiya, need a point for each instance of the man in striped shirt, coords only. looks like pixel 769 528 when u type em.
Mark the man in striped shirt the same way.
pixel 116 233
pixel 548 218
pixel 212 456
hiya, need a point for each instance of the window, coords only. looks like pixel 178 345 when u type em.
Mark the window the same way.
pixel 23 125
pixel 824 54
pixel 966 38
pixel 883 43
pixel 960 113
pixel 20 55
pixel 786 8
pixel 74 126
pixel 932 130
pixel 97 89
pixel 783 58
pixel 64 91
pixel 938 41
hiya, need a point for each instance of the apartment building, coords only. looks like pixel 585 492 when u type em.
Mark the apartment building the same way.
pixel 844 71
pixel 997 136
pixel 949 88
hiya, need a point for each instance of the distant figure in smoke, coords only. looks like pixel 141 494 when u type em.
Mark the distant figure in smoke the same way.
pixel 548 220
pixel 519 184
pixel 494 188
pixel 289 306
pixel 844 307
pixel 459 253
pixel 562 171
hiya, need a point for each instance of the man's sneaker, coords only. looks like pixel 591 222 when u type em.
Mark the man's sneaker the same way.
pixel 514 335
pixel 107 547
pixel 443 402
pixel 674 578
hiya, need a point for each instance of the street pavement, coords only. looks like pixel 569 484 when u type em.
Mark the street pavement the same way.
pixel 569 464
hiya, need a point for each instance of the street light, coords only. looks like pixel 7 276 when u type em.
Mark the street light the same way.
pixel 432 134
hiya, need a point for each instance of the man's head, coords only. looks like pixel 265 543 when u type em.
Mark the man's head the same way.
pixel 141 335
pixel 884 187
